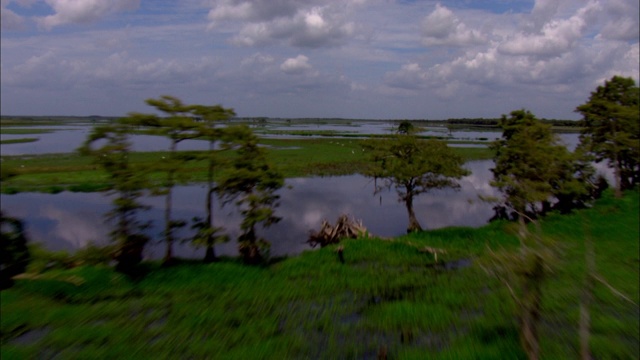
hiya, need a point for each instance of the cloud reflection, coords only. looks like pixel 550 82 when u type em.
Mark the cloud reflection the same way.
pixel 70 220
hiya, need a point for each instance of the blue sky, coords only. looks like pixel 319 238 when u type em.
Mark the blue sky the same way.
pixel 314 58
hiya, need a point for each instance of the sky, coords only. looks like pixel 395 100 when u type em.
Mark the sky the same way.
pixel 373 59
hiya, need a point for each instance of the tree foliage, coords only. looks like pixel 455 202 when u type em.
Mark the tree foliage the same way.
pixel 207 235
pixel 611 121
pixel 110 147
pixel 251 183
pixel 245 177
pixel 533 168
pixel 178 124
pixel 14 253
pixel 405 127
pixel 413 167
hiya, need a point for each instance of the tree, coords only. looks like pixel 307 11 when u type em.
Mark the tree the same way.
pixel 251 183
pixel 413 167
pixel 611 129
pixel 14 253
pixel 532 167
pixel 406 128
pixel 207 235
pixel 127 182
pixel 178 125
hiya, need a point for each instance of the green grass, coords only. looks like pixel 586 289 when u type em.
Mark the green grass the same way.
pixel 11 131
pixel 387 295
pixel 293 157
pixel 18 141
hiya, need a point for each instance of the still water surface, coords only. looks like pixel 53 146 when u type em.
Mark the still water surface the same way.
pixel 69 138
pixel 69 220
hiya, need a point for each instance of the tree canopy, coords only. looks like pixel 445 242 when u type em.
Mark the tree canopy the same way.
pixel 532 167
pixel 251 183
pixel 611 121
pixel 413 167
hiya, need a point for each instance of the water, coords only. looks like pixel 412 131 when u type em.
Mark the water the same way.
pixel 68 138
pixel 67 221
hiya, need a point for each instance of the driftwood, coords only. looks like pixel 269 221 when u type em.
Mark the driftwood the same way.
pixel 332 234
pixel 433 251
pixel 429 250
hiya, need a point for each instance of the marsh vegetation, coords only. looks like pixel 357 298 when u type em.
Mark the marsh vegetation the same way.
pixel 556 275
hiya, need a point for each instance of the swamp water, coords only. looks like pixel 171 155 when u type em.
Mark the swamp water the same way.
pixel 67 221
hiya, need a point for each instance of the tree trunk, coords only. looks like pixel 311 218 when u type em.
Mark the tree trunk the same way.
pixel 168 256
pixel 414 225
pixel 210 254
pixel 617 173
pixel 249 248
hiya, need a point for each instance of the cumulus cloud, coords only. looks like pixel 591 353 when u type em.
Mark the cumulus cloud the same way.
pixel 410 76
pixel 257 59
pixel 622 21
pixel 52 70
pixel 83 11
pixel 311 24
pixel 556 36
pixel 442 27
pixel 543 11
pixel 552 54
pixel 260 10
pixel 298 65
pixel 556 51
pixel 9 20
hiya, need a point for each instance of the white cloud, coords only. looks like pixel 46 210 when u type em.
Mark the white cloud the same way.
pixel 257 59
pixel 298 65
pixel 9 20
pixel 83 11
pixel 382 59
pixel 442 27
pixel 543 11
pixel 312 24
pixel 623 22
pixel 557 36
pixel 410 76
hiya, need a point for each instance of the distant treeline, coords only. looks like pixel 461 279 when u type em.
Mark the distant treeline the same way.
pixel 46 118
pixel 484 122
pixel 452 121
pixel 495 122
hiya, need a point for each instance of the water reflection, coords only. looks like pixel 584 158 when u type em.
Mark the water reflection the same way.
pixel 69 220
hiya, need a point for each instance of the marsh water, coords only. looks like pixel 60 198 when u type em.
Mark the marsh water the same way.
pixel 67 221
pixel 65 139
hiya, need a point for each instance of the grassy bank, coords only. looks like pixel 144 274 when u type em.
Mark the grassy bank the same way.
pixel 18 141
pixel 387 297
pixel 293 157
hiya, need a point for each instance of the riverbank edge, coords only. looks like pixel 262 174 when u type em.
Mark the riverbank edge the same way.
pixel 294 158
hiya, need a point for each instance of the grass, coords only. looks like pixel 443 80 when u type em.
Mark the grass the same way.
pixel 18 141
pixel 293 157
pixel 10 131
pixel 387 297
